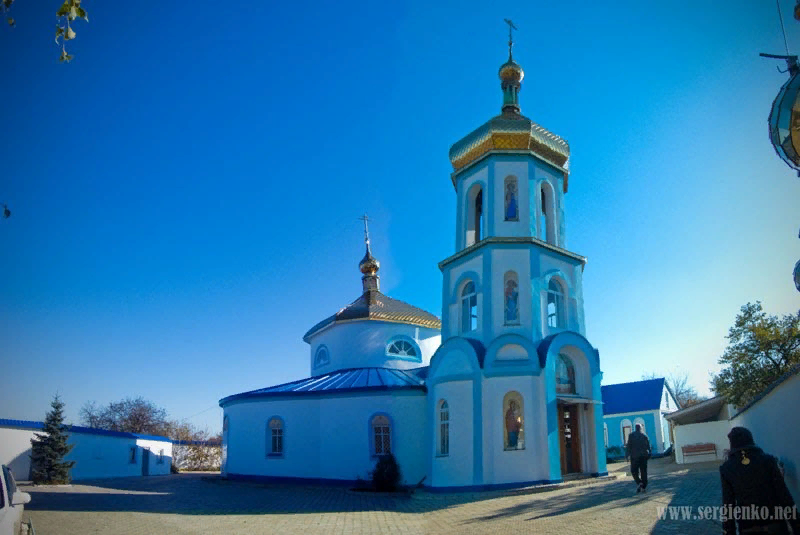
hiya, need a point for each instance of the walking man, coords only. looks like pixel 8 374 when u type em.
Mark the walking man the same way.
pixel 638 449
pixel 751 479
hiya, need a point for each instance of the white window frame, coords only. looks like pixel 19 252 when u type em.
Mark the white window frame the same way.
pixel 559 303
pixel 467 307
pixel 380 428
pixel 276 435
pixel 443 442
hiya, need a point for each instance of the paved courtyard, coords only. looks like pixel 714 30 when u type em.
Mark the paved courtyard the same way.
pixel 203 503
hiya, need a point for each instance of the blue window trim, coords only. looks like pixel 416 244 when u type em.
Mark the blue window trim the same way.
pixel 404 338
pixel 371 434
pixel 268 438
pixel 320 348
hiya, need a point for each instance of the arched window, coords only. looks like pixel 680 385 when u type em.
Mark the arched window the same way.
pixel 565 376
pixel 639 421
pixel 474 212
pixel 547 229
pixel 469 308
pixel 625 430
pixel 275 437
pixel 511 296
pixel 444 428
pixel 555 304
pixel 513 422
pixel 402 348
pixel 322 357
pixel 512 199
pixel 381 435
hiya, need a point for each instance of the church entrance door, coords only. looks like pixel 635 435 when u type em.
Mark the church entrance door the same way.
pixel 570 439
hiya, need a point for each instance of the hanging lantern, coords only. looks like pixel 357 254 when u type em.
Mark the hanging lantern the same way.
pixel 784 119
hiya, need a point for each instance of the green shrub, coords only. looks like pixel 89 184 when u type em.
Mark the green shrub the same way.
pixel 386 476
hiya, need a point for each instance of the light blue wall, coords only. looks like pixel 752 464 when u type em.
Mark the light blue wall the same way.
pixel 615 432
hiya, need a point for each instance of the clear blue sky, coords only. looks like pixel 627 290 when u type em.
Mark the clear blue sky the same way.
pixel 185 193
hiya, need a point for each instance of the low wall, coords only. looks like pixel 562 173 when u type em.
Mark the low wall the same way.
pixel 704 433
pixel 773 422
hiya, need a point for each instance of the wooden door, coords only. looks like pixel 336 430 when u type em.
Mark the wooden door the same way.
pixel 570 439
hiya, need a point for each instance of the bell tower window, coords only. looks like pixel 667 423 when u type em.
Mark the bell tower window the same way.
pixel 547 219
pixel 469 308
pixel 511 199
pixel 555 304
pixel 475 222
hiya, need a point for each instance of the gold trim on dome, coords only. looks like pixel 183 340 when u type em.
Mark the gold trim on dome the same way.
pixel 510 131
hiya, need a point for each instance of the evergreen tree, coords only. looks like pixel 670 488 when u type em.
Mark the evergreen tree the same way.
pixel 49 449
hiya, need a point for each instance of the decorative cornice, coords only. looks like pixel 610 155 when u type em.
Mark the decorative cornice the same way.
pixel 512 240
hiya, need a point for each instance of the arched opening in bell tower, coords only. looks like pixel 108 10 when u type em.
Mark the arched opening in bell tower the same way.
pixel 547 216
pixel 475 228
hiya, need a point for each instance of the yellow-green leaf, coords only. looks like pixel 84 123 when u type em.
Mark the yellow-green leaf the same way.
pixel 63 10
pixel 11 22
pixel 64 56
pixel 82 14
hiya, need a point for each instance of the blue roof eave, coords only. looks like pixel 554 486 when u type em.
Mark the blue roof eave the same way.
pixel 318 393
pixel 31 424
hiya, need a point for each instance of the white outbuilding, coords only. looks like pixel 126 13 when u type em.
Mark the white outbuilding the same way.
pixel 97 453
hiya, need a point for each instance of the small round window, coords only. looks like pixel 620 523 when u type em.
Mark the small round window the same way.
pixel 401 348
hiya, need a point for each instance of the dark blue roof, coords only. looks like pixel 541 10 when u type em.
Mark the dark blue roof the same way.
pixel 632 397
pixel 341 381
pixel 30 424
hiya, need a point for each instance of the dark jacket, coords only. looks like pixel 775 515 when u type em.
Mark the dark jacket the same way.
pixel 638 445
pixel 759 483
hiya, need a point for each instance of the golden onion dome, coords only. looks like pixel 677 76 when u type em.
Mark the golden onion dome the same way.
pixel 511 131
pixel 369 265
pixel 511 72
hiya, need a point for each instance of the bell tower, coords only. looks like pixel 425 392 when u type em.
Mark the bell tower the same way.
pixel 510 176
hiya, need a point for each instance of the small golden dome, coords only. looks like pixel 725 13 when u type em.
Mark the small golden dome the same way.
pixel 369 265
pixel 511 72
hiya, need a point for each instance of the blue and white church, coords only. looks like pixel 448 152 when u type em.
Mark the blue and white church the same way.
pixel 503 391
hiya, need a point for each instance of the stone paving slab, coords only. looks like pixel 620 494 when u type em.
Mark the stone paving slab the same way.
pixel 195 504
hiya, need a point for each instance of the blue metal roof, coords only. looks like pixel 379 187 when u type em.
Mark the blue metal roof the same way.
pixel 342 381
pixel 632 397
pixel 30 424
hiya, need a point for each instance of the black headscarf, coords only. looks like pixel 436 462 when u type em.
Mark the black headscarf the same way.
pixel 740 437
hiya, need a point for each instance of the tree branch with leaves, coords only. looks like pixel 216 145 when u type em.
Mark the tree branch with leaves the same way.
pixel 69 12
pixel 761 348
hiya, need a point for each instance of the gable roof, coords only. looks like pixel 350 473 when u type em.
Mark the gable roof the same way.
pixel 636 396
pixel 374 305
pixel 31 424
pixel 343 381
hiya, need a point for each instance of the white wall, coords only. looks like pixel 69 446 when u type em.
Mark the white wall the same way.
pixel 362 344
pixel 517 260
pixel 96 456
pixel 326 438
pixel 708 432
pixel 773 422
pixel 455 469
pixel 15 450
pixel 531 463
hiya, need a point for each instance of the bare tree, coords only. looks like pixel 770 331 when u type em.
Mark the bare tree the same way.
pixel 131 415
pixel 678 383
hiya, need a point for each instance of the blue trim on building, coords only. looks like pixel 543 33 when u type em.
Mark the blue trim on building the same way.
pixel 487 296
pixel 30 424
pixel 489 200
pixel 456 297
